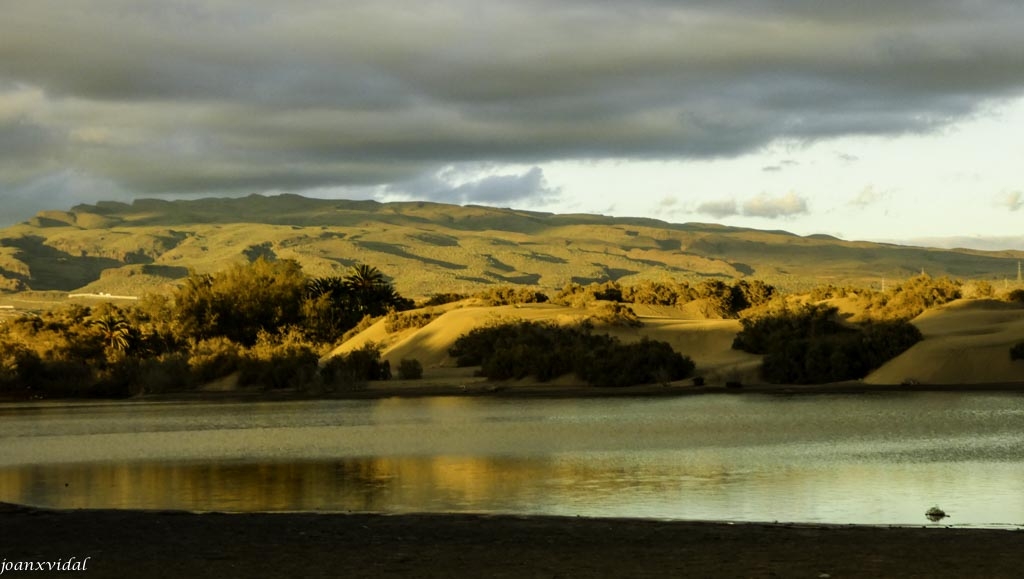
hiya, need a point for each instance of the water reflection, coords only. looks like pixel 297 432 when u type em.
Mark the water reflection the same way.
pixel 876 460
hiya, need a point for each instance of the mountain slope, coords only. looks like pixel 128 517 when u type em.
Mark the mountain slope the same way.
pixel 430 247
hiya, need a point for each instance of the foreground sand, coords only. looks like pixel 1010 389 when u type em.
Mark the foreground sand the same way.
pixel 162 544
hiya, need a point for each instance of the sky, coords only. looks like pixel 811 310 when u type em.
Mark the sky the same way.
pixel 878 119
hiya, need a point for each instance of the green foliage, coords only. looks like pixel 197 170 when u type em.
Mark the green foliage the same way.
pixel 909 299
pixel 279 361
pixel 658 293
pixel 398 321
pixel 750 294
pixel 808 345
pixel 644 362
pixel 982 289
pixel 829 291
pixel 616 314
pixel 214 358
pixel 241 302
pixel 20 367
pixel 578 296
pixel 508 295
pixel 546 351
pixel 444 298
pixel 410 369
pixel 261 320
pixel 371 294
pixel 354 369
pixel 720 299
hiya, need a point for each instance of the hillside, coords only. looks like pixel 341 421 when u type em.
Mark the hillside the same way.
pixel 429 247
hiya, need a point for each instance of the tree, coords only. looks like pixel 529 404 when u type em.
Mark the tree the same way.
pixel 115 331
pixel 371 294
pixel 242 301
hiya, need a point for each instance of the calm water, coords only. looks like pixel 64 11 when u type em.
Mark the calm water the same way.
pixel 876 459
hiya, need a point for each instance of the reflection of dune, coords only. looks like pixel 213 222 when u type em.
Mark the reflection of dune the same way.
pixel 966 342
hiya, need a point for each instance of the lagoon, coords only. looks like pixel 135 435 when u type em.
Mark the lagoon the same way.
pixel 867 459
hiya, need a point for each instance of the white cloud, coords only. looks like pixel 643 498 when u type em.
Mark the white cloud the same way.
pixel 774 207
pixel 1013 201
pixel 868 196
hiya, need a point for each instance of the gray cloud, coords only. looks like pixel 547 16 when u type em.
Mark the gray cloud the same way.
pixel 527 188
pixel 190 96
pixel 719 209
pixel 774 207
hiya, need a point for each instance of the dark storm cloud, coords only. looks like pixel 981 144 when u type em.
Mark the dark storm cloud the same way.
pixel 204 96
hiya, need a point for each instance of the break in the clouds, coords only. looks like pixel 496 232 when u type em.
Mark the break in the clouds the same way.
pixel 451 186
pixel 190 96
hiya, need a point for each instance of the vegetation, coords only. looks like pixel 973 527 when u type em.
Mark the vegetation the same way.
pixel 264 320
pixel 410 369
pixel 442 299
pixel 508 295
pixel 545 350
pixel 398 321
pixel 809 344
pixel 909 299
pixel 718 298
pixel 1016 295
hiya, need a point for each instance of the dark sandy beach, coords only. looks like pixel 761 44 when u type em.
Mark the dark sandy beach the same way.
pixel 168 544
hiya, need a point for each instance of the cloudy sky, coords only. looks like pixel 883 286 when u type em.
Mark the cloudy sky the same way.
pixel 879 119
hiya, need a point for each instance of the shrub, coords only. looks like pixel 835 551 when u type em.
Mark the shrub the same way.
pixel 279 361
pixel 445 298
pixel 616 314
pixel 410 369
pixel 546 351
pixel 642 362
pixel 914 296
pixel 20 367
pixel 508 295
pixel 398 321
pixel 657 293
pixel 214 358
pixel 578 296
pixel 354 369
pixel 808 345
pixel 1016 295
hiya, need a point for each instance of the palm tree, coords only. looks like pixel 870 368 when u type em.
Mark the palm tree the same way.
pixel 116 332
pixel 364 278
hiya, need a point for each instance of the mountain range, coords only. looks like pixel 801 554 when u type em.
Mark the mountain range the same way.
pixel 427 248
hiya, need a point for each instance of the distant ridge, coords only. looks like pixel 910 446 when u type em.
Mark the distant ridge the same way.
pixel 427 247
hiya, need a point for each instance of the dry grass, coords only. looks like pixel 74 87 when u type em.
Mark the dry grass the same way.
pixel 431 248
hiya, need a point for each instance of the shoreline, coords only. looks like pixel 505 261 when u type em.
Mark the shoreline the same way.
pixel 411 389
pixel 179 544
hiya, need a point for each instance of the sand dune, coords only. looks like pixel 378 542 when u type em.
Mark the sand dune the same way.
pixel 708 342
pixel 966 342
